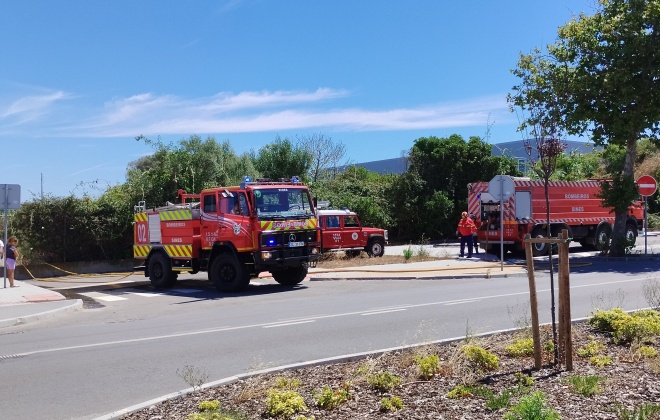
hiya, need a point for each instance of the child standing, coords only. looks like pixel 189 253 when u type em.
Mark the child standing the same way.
pixel 11 254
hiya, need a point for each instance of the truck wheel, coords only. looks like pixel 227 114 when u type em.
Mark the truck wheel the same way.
pixel 376 248
pixel 160 271
pixel 603 234
pixel 228 274
pixel 539 250
pixel 290 276
pixel 631 233
pixel 353 253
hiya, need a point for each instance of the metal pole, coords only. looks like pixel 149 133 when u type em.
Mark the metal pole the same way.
pixel 4 266
pixel 646 228
pixel 501 223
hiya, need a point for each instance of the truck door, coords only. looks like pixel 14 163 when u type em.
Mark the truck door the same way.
pixel 235 225
pixel 210 223
pixel 331 229
pixel 350 236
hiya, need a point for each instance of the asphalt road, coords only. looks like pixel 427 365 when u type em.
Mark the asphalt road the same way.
pixel 134 347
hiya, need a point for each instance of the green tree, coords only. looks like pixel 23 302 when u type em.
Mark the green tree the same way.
pixel 362 191
pixel 192 165
pixel 282 159
pixel 600 76
pixel 447 165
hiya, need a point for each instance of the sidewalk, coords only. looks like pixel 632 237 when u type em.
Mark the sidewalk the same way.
pixel 29 303
pixel 39 299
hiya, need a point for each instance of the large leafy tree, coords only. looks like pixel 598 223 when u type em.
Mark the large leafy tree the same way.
pixel 282 159
pixel 193 164
pixel 436 185
pixel 602 75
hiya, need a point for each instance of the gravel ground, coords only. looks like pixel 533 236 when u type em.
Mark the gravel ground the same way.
pixel 629 381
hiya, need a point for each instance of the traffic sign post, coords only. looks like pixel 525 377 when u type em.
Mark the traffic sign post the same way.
pixel 501 187
pixel 647 186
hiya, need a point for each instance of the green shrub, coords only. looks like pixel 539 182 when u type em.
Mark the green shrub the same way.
pixel 210 410
pixel 496 402
pixel 549 346
pixel 604 320
pixel 384 381
pixel 391 404
pixel 213 405
pixel 586 385
pixel 480 359
pixel 329 398
pixel 532 407
pixel 646 411
pixel 520 347
pixel 592 348
pixel 523 380
pixel 627 328
pixel 408 254
pixel 600 361
pixel 461 391
pixel 638 327
pixel 284 403
pixel 427 365
pixel 647 352
pixel 287 383
pixel 653 221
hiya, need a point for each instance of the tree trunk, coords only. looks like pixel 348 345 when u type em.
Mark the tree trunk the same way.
pixel 617 248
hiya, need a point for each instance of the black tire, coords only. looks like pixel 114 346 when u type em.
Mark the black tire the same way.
pixel 376 248
pixel 160 271
pixel 603 234
pixel 353 253
pixel 539 250
pixel 631 233
pixel 228 274
pixel 290 276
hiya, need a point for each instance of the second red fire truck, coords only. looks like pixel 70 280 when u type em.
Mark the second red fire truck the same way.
pixel 574 205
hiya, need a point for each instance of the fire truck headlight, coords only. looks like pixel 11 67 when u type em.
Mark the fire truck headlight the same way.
pixel 267 255
pixel 387 238
pixel 316 251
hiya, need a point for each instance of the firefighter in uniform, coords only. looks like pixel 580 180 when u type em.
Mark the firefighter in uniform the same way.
pixel 465 229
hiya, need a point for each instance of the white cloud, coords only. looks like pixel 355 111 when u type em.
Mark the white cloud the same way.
pixel 261 111
pixel 31 107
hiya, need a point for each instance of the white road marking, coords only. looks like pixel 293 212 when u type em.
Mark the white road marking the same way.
pixel 146 294
pixel 104 296
pixel 460 302
pixel 382 312
pixel 288 324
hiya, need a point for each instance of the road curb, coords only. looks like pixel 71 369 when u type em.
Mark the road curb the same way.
pixel 75 305
pixel 445 277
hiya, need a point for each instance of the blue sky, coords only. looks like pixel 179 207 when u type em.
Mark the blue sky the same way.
pixel 80 79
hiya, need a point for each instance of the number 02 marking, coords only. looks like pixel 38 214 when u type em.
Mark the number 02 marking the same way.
pixel 142 232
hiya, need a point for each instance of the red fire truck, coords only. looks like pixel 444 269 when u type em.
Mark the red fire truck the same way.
pixel 574 205
pixel 233 233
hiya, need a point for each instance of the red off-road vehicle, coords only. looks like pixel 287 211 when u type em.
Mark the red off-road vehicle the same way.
pixel 341 231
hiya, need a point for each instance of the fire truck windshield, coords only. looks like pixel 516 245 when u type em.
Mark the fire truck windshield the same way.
pixel 283 203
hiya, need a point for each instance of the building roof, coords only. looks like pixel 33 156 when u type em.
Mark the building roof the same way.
pixel 516 149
